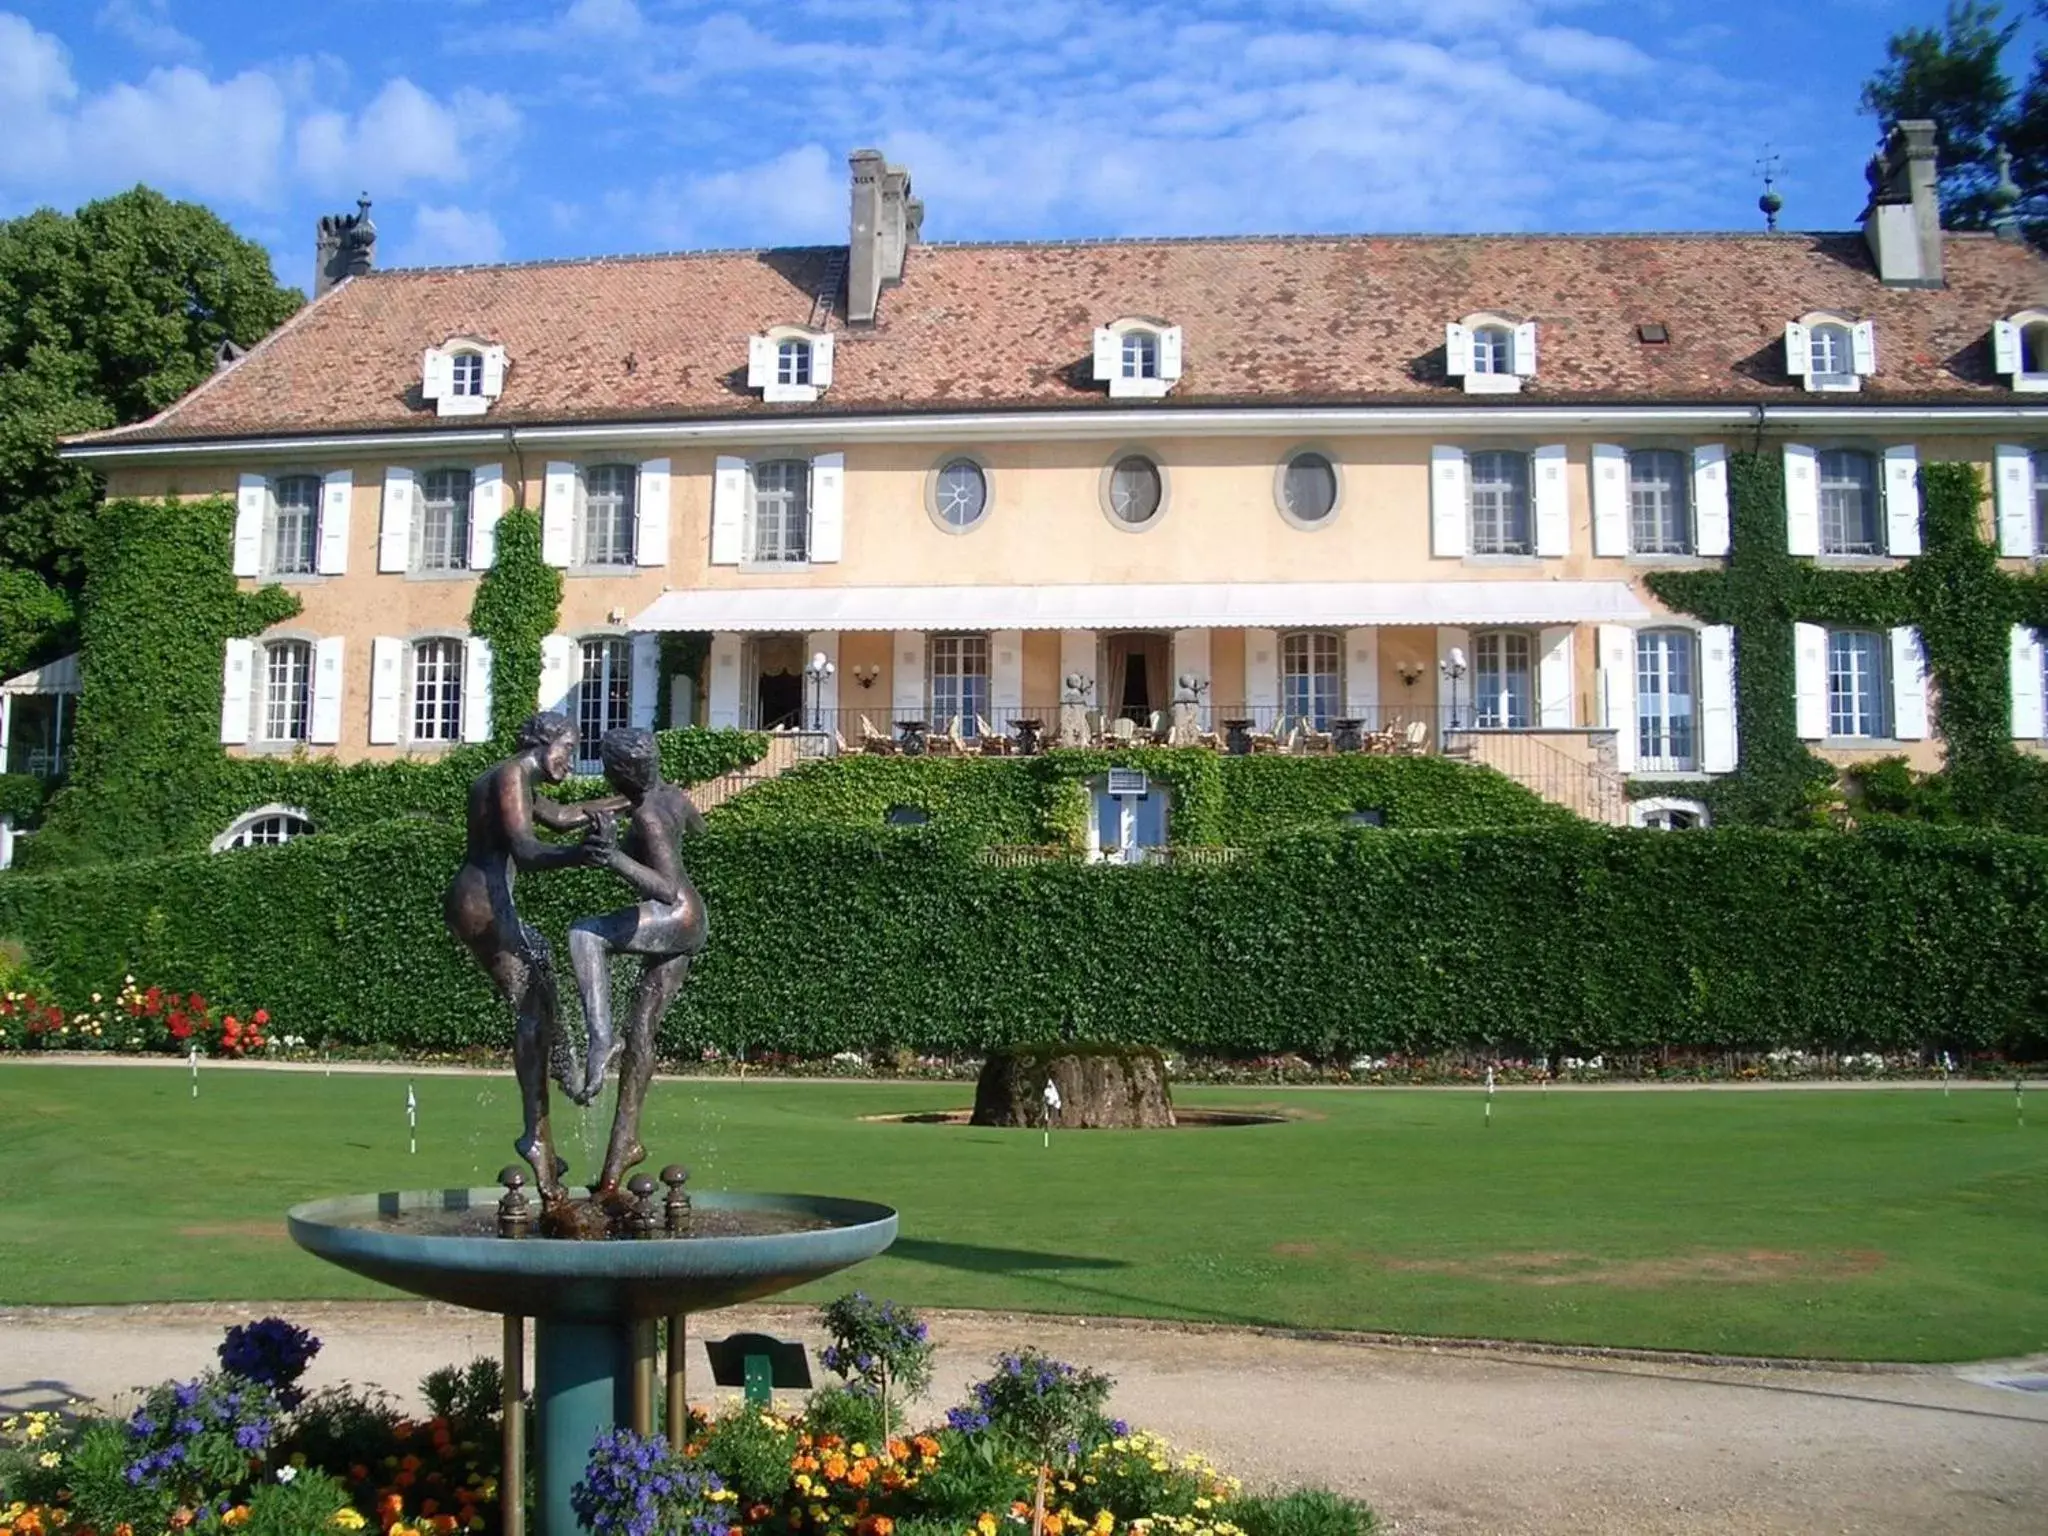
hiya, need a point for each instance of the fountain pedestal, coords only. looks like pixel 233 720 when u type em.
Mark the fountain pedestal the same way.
pixel 593 1303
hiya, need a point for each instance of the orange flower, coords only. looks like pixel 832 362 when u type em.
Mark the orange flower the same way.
pixel 410 1464
pixel 926 1446
pixel 898 1449
pixel 404 1479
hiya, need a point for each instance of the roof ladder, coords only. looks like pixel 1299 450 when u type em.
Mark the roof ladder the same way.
pixel 828 290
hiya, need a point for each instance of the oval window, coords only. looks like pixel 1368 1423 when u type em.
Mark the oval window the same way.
pixel 961 495
pixel 1134 490
pixel 1308 488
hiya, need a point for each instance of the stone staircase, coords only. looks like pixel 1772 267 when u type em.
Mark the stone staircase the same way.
pixel 785 750
pixel 1574 769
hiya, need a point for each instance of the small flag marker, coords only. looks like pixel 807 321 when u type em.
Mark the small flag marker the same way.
pixel 195 1071
pixel 412 1120
pixel 1489 1098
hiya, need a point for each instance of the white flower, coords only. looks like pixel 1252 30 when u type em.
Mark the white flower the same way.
pixel 286 1474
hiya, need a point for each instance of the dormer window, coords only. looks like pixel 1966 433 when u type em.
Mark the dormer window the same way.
pixel 1490 354
pixel 1830 352
pixel 462 376
pixel 1137 358
pixel 789 364
pixel 2020 349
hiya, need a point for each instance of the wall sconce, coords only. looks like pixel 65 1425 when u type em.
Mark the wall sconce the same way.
pixel 865 676
pixel 1411 673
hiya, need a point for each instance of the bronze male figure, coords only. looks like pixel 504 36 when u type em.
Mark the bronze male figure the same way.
pixel 666 927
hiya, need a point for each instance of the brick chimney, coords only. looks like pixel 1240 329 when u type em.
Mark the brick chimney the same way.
pixel 885 223
pixel 344 245
pixel 1902 221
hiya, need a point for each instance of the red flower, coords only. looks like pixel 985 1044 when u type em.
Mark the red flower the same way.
pixel 261 1016
pixel 196 1003
pixel 153 999
pixel 181 1027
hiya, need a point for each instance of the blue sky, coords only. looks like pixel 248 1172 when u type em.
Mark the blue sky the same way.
pixel 513 129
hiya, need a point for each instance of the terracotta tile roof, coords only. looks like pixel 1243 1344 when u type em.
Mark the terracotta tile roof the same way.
pixel 1285 320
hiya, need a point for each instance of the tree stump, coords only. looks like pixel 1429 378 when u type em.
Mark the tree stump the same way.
pixel 1102 1087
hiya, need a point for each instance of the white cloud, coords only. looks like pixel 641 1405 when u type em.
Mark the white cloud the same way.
pixel 796 198
pixel 405 136
pixel 603 18
pixel 447 235
pixel 147 25
pixel 1571 51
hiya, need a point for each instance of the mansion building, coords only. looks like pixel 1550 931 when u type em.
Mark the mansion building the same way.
pixel 1410 481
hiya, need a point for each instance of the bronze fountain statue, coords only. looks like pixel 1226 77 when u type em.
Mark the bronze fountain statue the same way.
pixel 666 927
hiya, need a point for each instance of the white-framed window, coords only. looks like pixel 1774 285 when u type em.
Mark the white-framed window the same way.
pixel 1667 701
pixel 265 827
pixel 462 376
pixel 1666 815
pixel 1503 680
pixel 960 682
pixel 440 532
pixel 287 712
pixel 291 535
pixel 959 495
pixel 2019 346
pixel 604 533
pixel 604 695
pixel 1851 514
pixel 1858 687
pixel 1493 349
pixel 1497 502
pixel 1829 352
pixel 466 373
pixel 1490 354
pixel 779 511
pixel 790 365
pixel 436 690
pixel 1127 829
pixel 1311 677
pixel 793 361
pixel 1660 502
pixel 1135 491
pixel 1139 356
pixel 1308 489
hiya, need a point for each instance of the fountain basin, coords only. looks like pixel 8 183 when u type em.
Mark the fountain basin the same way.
pixel 597 1281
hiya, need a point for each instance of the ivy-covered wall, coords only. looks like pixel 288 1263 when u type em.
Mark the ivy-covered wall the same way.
pixel 1565 938
pixel 517 602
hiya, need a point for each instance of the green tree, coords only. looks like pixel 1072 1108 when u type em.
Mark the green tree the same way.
pixel 1953 76
pixel 106 316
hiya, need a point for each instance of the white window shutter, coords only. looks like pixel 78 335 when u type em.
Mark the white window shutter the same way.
pixel 387 688
pixel 1863 348
pixel 252 501
pixel 1169 353
pixel 728 509
pixel 476 689
pixel 1617 672
pixel 1006 677
pixel 2005 347
pixel 1457 350
pixel 437 374
pixel 2012 477
pixel 324 729
pixel 646 681
pixel 828 507
pixel 337 492
pixel 1710 499
pixel 486 506
pixel 1362 674
pixel 1810 680
pixel 760 362
pixel 1902 501
pixel 237 682
pixel 906 691
pixel 1454 696
pixel 1447 510
pixel 722 693
pixel 558 514
pixel 394 531
pixel 1802 500
pixel 1556 682
pixel 1909 685
pixel 1798 350
pixel 1553 497
pixel 1718 746
pixel 651 514
pixel 1525 349
pixel 1610 499
pixel 2028 722
pixel 1261 675
pixel 1108 354
pixel 494 372
pixel 557 674
pixel 821 361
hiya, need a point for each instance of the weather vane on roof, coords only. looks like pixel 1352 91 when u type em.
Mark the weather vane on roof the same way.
pixel 1770 164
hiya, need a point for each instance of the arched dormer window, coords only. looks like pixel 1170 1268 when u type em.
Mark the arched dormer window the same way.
pixel 1489 353
pixel 264 827
pixel 789 364
pixel 1137 357
pixel 1829 351
pixel 2019 346
pixel 462 376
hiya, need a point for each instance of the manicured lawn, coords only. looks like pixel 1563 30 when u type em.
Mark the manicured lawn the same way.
pixel 1855 1225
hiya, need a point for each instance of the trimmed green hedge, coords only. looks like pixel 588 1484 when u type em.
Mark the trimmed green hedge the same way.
pixel 1568 938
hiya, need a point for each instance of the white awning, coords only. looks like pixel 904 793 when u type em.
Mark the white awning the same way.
pixel 59 676
pixel 1160 605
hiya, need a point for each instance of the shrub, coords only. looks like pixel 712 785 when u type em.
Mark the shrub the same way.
pixel 1304 1512
pixel 271 1353
pixel 883 1349
pixel 750 1452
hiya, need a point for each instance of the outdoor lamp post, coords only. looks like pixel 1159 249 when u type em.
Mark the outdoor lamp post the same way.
pixel 1453 667
pixel 817 674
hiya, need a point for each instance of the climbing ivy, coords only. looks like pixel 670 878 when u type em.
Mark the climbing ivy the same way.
pixel 1954 593
pixel 518 600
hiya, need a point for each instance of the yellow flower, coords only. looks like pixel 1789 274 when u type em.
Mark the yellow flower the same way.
pixel 348 1519
pixel 48 1459
pixel 36 1428
pixel 986 1525
pixel 859 1450
pixel 238 1516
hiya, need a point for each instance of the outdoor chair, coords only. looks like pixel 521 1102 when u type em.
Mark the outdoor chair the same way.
pixel 1417 737
pixel 872 740
pixel 1124 729
pixel 992 744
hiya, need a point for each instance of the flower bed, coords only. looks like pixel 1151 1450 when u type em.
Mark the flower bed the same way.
pixel 139 1020
pixel 1032 1453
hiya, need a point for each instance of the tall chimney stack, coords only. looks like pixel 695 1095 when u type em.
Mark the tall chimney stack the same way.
pixel 1902 220
pixel 344 245
pixel 884 225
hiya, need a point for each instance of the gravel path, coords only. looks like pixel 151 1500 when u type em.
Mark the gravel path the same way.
pixel 1442 1442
